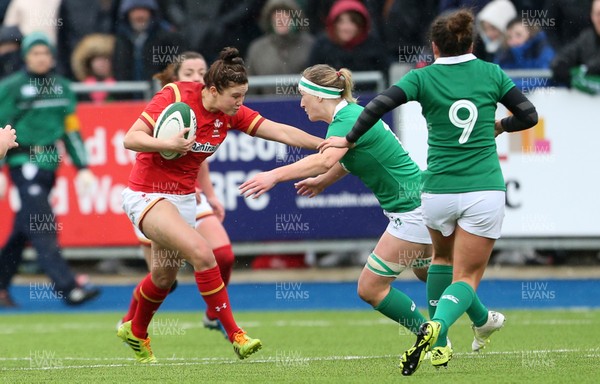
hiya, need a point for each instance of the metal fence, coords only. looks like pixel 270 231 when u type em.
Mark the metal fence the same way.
pixel 148 88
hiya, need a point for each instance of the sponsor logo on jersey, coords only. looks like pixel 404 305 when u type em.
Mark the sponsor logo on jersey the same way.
pixel 204 147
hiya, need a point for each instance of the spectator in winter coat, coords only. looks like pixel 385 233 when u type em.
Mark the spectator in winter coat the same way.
pixel 92 63
pixel 527 47
pixel 285 47
pixel 491 24
pixel 144 45
pixel 581 58
pixel 347 42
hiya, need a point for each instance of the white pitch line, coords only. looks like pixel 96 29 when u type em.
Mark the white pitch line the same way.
pixel 160 323
pixel 174 361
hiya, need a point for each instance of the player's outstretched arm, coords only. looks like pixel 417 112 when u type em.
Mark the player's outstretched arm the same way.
pixel 312 165
pixel 139 138
pixel 283 133
pixel 313 186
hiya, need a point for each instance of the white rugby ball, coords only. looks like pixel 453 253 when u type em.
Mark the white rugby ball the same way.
pixel 173 119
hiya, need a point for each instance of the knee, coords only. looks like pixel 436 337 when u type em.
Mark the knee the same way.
pixel 367 294
pixel 201 256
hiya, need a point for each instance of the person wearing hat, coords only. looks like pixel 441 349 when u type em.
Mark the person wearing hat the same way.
pixel 144 44
pixel 492 21
pixel 285 47
pixel 40 106
pixel 10 56
pixel 91 63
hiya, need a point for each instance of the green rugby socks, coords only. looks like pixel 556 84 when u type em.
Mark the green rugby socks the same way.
pixel 400 308
pixel 455 301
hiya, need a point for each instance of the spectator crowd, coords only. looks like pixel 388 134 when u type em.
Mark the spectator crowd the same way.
pixel 131 40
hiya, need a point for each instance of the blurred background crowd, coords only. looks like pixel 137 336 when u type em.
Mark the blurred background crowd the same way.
pixel 130 40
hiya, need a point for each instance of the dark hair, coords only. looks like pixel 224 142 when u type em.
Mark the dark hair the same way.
pixel 227 70
pixel 453 33
pixel 533 29
pixel 169 74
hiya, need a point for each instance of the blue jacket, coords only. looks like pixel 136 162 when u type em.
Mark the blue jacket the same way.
pixel 535 53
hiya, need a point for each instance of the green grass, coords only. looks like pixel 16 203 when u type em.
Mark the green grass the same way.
pixel 300 347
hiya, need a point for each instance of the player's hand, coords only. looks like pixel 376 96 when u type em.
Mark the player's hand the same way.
pixel 8 140
pixel 498 128
pixel 309 187
pixel 217 207
pixel 258 185
pixel 335 142
pixel 85 181
pixel 179 143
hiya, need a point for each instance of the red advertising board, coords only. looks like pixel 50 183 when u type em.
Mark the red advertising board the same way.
pixel 94 217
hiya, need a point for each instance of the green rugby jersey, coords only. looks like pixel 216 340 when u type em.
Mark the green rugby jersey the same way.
pixel 37 108
pixel 459 96
pixel 380 161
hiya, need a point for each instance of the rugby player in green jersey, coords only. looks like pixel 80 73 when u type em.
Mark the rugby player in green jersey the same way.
pixel 463 187
pixel 383 165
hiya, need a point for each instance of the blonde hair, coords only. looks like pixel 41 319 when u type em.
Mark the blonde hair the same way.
pixel 327 76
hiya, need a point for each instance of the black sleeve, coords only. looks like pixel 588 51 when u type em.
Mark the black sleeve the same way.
pixel 524 113
pixel 379 106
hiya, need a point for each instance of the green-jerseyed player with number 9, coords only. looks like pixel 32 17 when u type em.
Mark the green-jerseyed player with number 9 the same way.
pixel 463 194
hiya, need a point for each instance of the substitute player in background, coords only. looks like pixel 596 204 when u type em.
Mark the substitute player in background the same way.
pixel 160 198
pixel 464 192
pixel 209 210
pixel 381 162
pixel 40 106
pixel 8 140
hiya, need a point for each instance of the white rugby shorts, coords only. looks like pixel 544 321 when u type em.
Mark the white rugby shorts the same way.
pixel 480 213
pixel 408 226
pixel 137 204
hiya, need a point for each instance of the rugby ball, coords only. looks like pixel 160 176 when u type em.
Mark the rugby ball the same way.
pixel 173 119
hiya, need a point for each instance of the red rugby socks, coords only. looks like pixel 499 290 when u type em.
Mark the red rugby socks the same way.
pixel 225 258
pixel 133 303
pixel 149 299
pixel 213 291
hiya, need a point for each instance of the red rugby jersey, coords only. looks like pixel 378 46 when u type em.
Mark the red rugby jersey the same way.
pixel 153 174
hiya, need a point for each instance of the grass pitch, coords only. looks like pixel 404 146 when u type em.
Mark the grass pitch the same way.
pixel 299 347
